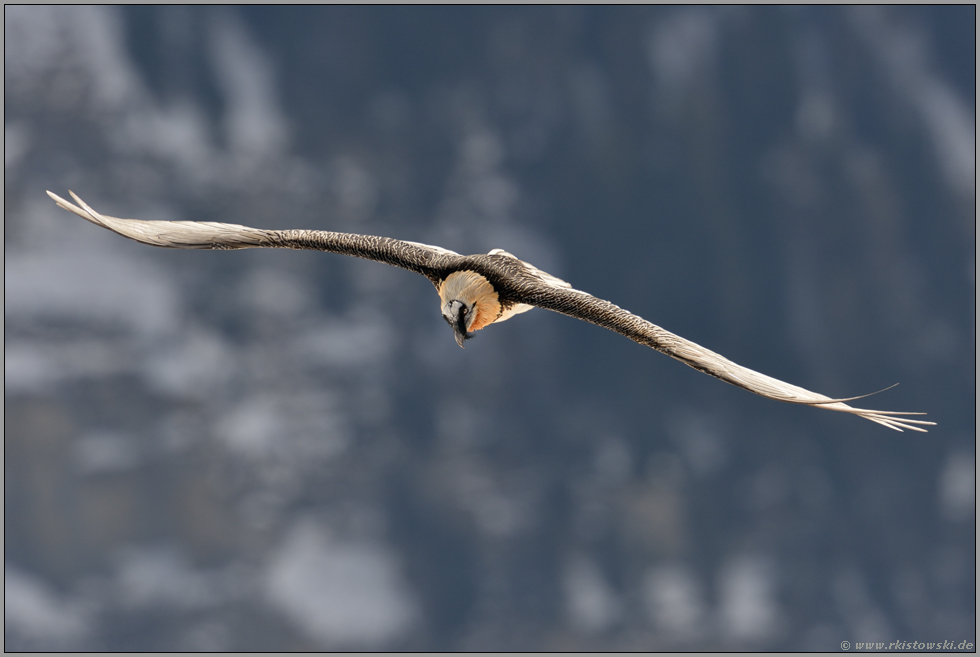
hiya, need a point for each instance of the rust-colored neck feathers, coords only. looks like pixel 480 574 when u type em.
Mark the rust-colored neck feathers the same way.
pixel 472 288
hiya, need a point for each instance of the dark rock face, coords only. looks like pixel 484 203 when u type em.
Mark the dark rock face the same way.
pixel 276 450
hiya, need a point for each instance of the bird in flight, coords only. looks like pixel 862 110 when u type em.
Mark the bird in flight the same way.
pixel 478 290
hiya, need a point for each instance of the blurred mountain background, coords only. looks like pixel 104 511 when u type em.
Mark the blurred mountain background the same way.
pixel 278 450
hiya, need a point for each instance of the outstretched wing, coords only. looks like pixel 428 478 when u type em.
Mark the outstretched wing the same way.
pixel 430 261
pixel 603 313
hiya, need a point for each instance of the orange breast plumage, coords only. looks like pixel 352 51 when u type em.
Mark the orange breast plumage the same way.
pixel 470 287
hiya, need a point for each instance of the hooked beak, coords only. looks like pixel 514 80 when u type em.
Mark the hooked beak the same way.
pixel 459 339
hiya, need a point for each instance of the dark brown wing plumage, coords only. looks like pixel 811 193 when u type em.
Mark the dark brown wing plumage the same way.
pixel 603 313
pixel 517 283
pixel 430 261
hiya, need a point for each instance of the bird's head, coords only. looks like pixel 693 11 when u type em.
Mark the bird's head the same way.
pixel 460 315
pixel 469 303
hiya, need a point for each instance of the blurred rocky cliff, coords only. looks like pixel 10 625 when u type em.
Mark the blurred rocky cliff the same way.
pixel 265 450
